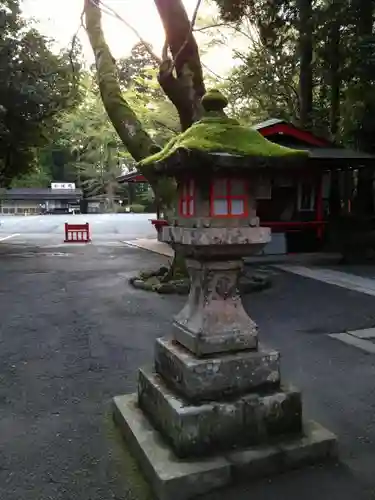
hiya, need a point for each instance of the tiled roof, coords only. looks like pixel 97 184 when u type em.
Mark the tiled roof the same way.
pixel 40 194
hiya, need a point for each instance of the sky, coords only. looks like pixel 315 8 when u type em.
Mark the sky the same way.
pixel 60 20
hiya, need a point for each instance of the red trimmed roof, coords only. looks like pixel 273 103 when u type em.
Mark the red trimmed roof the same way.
pixel 274 126
pixel 132 177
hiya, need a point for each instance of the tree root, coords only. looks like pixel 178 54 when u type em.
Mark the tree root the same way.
pixel 163 281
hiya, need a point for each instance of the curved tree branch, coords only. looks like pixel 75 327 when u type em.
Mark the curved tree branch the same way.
pixel 181 78
pixel 130 130
pixel 190 34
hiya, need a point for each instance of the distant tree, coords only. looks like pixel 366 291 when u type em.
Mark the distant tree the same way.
pixel 89 149
pixel 37 178
pixel 35 85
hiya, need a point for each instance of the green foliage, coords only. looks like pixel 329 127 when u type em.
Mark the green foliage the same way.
pixel 145 196
pixel 264 37
pixel 266 82
pixel 138 70
pixel 87 147
pixel 137 208
pixel 138 77
pixel 96 153
pixel 37 178
pixel 35 85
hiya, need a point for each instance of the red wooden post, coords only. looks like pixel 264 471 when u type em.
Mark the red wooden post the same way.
pixel 66 231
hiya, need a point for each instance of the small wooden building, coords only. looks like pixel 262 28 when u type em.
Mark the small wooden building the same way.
pixel 298 206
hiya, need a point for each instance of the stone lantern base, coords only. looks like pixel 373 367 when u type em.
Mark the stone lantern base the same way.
pixel 199 423
pixel 213 409
pixel 174 478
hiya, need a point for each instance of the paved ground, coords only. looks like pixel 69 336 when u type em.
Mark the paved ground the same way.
pixel 73 334
pixel 364 270
pixel 49 229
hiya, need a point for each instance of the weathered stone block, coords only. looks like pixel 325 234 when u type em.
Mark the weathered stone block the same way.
pixel 281 413
pixel 203 345
pixel 199 429
pixel 315 444
pixel 191 430
pixel 214 239
pixel 213 319
pixel 173 478
pixel 233 374
pixel 307 451
pixel 170 478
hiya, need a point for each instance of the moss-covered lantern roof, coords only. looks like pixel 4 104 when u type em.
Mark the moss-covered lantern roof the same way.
pixel 221 142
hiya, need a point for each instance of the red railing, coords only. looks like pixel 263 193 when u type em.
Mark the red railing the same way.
pixel 159 223
pixel 77 233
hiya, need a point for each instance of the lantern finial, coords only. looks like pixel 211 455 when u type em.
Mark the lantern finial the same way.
pixel 214 101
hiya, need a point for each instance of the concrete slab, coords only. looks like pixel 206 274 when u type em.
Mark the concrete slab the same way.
pixel 316 258
pixel 364 345
pixel 337 278
pixel 153 245
pixel 366 333
pixel 173 478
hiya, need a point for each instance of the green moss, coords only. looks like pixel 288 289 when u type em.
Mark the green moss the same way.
pixel 220 134
pixel 125 472
pixel 214 100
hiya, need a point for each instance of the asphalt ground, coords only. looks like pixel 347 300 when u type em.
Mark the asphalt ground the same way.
pixel 73 334
pixel 48 230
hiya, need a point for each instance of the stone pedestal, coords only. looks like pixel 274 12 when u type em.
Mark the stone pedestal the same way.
pixel 213 408
pixel 214 319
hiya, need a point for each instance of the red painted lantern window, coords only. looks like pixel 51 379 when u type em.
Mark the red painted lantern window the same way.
pixel 229 198
pixel 187 199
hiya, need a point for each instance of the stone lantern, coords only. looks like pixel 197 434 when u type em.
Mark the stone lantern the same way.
pixel 213 407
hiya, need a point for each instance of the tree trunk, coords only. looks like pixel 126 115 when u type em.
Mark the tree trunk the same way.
pixel 136 140
pixel 178 268
pixel 365 69
pixel 334 68
pixel 306 55
pixel 110 197
pixel 180 78
pixel 365 127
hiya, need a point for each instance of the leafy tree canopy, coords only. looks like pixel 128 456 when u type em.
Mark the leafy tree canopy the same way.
pixel 35 85
pixel 339 70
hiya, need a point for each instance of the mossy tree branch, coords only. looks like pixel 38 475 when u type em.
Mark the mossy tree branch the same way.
pixel 180 77
pixel 130 130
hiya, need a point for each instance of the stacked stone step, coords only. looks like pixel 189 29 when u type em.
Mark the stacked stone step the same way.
pixel 222 401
